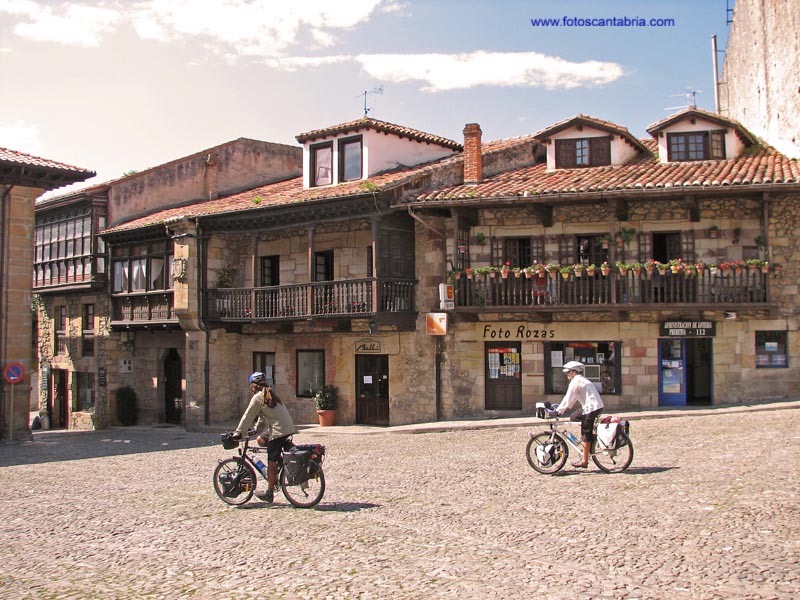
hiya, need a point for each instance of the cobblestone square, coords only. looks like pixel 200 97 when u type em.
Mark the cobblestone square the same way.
pixel 709 509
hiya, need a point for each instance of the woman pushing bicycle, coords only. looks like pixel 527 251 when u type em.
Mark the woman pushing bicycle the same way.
pixel 267 406
pixel 583 391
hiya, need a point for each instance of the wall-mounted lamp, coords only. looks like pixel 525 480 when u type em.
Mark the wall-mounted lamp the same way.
pixel 373 327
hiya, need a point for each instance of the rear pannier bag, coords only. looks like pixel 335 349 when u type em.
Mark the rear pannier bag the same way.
pixel 296 465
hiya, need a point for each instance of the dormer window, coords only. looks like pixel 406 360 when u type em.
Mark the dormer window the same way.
pixel 350 161
pixel 583 152
pixel 696 145
pixel 322 164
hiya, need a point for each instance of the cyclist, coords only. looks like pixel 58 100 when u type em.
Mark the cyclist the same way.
pixel 267 406
pixel 583 391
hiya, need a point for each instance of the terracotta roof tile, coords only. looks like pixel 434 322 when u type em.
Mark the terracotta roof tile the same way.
pixel 376 125
pixel 757 165
pixel 14 156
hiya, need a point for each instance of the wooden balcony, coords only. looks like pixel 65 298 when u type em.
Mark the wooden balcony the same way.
pixel 352 298
pixel 144 308
pixel 614 292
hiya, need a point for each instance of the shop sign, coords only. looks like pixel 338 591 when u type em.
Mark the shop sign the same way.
pixel 517 332
pixel 367 346
pixel 688 329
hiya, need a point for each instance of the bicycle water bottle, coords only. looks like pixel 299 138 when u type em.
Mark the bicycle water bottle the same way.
pixel 261 466
pixel 572 437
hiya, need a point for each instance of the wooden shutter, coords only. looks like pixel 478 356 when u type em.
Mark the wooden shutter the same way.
pixel 565 154
pixel 537 248
pixel 645 243
pixel 566 249
pixel 599 151
pixel 497 252
pixel 687 246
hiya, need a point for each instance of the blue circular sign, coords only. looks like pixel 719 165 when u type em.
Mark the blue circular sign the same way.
pixel 14 372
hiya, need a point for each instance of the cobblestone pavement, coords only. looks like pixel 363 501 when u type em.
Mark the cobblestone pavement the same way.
pixel 709 509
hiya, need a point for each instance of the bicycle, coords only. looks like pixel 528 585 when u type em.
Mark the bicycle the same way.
pixel 300 474
pixel 547 451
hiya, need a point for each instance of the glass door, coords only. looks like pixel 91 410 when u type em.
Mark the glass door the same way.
pixel 672 372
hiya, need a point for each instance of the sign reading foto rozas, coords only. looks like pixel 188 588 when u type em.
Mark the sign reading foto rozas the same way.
pixel 688 329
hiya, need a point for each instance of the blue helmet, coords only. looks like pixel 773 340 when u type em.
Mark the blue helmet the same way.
pixel 258 378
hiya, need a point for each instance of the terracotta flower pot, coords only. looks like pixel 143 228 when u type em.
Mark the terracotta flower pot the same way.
pixel 327 418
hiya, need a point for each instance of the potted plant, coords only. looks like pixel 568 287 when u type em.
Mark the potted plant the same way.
pixel 605 268
pixel 327 400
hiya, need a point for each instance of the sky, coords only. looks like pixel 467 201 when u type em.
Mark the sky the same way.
pixel 118 86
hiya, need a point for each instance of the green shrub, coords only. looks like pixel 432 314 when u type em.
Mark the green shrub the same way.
pixel 327 398
pixel 127 406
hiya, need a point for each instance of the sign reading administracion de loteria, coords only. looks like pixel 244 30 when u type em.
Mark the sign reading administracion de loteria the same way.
pixel 688 329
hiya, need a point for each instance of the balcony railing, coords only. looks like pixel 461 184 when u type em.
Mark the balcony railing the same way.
pixel 627 291
pixel 143 308
pixel 350 298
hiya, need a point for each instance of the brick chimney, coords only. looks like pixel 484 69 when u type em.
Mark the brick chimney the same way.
pixel 473 163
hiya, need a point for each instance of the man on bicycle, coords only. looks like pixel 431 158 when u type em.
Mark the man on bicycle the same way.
pixel 583 391
pixel 267 406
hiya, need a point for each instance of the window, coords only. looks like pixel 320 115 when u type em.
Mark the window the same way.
pixel 87 328
pixel 310 372
pixel 583 152
pixel 322 164
pixel 323 266
pixel 350 163
pixel 264 362
pixel 462 249
pixel 600 359
pixel 771 349
pixel 270 271
pixel 61 330
pixel 370 262
pixel 142 268
pixel 592 249
pixel 85 398
pixel 63 248
pixel 700 145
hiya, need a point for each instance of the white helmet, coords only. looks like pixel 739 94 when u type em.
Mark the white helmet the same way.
pixel 573 365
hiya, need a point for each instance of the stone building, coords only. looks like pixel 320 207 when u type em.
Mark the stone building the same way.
pixel 105 314
pixel 760 84
pixel 23 178
pixel 330 277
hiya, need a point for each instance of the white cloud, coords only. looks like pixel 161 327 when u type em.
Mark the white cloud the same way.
pixel 296 63
pixel 21 136
pixel 74 25
pixel 263 28
pixel 444 72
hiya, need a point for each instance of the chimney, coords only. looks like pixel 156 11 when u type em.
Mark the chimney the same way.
pixel 473 163
pixel 212 177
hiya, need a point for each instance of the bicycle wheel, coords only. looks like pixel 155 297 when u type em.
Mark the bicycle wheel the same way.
pixel 617 460
pixel 308 493
pixel 234 481
pixel 551 455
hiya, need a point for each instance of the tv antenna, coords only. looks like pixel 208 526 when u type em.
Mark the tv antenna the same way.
pixel 377 90
pixel 691 98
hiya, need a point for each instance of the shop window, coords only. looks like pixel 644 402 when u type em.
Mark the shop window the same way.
pixel 264 362
pixel 600 359
pixel 771 349
pixel 310 372
pixel 85 399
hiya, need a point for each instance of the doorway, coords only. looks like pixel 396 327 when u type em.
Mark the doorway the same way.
pixel 173 390
pixel 372 389
pixel 58 408
pixel 503 376
pixel 685 375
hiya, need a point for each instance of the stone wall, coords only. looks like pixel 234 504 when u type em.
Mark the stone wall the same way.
pixel 760 82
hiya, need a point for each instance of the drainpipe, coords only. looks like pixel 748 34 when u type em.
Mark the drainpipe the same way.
pixel 202 251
